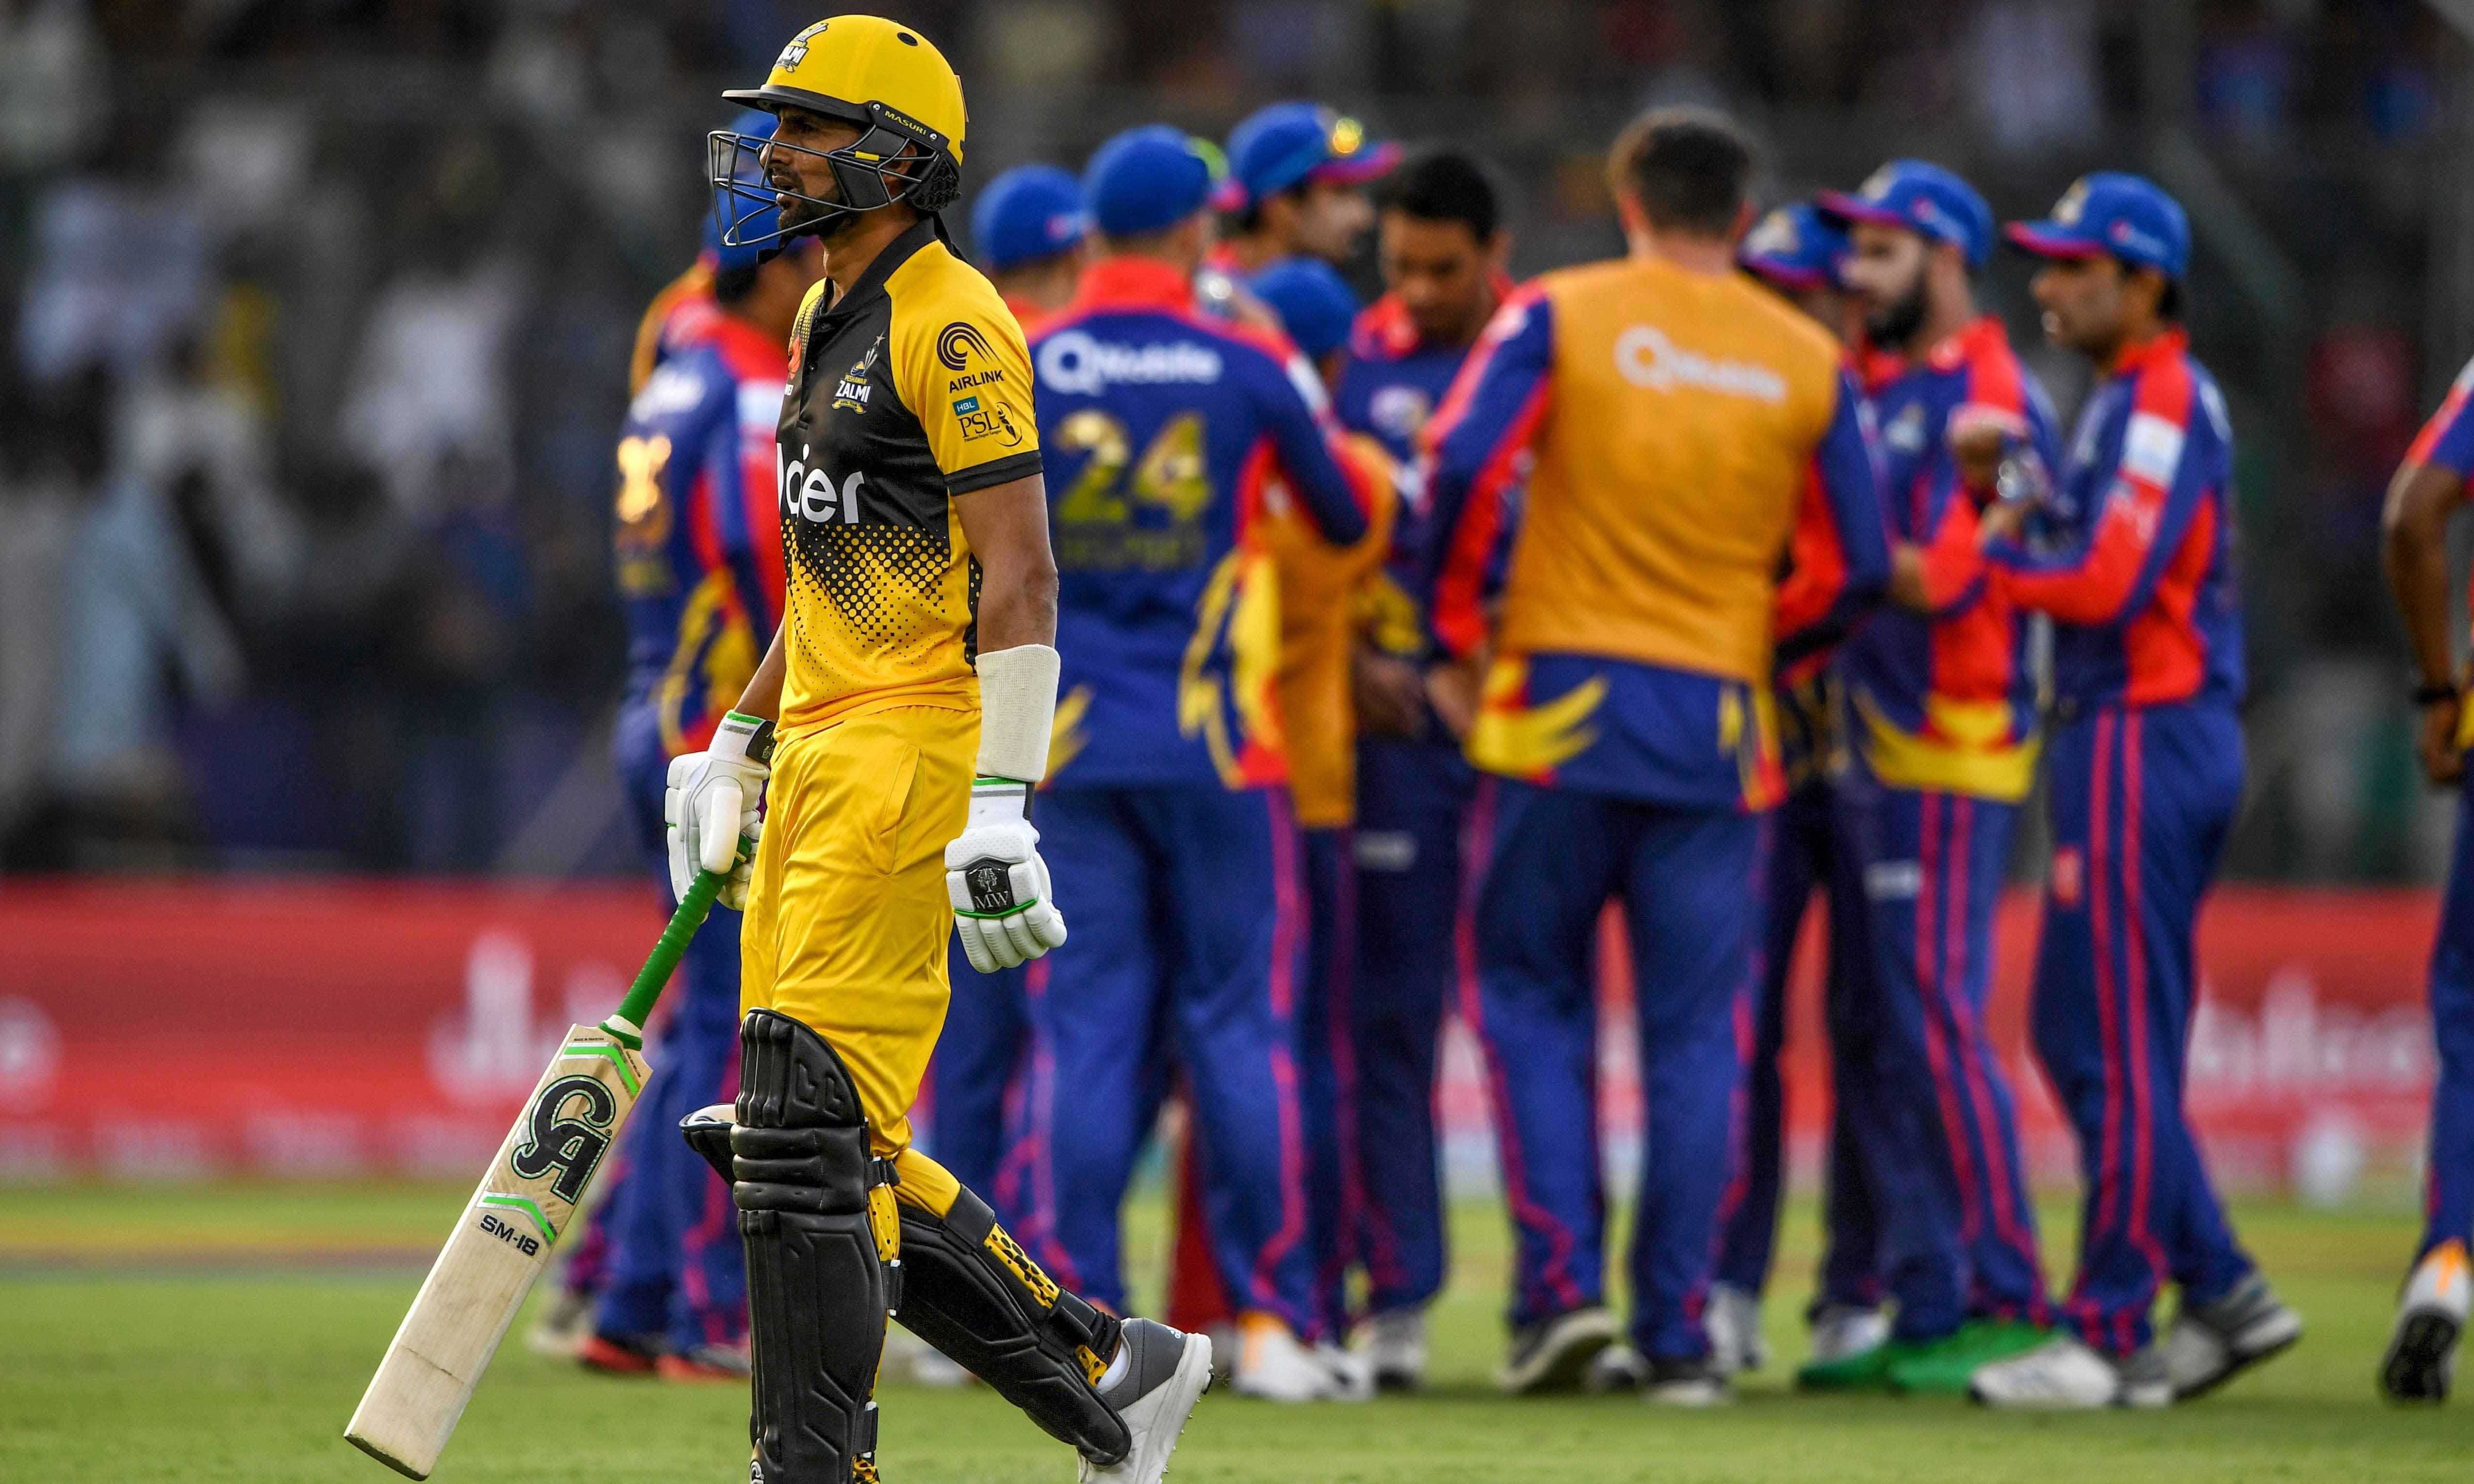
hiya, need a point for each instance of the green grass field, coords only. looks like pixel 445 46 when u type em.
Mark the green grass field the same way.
pixel 224 1333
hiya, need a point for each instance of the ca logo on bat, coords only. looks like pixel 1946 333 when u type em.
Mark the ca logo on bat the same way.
pixel 571 1146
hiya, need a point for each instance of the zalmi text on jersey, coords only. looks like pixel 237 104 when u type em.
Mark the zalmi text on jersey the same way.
pixel 911 389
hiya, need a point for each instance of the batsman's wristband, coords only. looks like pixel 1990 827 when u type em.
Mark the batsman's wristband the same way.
pixel 2432 695
pixel 1017 708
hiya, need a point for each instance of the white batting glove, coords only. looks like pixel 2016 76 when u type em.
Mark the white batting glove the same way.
pixel 710 805
pixel 1003 909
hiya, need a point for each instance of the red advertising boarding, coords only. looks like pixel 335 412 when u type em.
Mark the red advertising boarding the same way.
pixel 183 1030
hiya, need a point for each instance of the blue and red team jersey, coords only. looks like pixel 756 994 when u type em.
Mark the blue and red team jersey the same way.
pixel 1390 387
pixel 681 316
pixel 699 540
pixel 2140 583
pixel 1167 430
pixel 1679 433
pixel 1947 701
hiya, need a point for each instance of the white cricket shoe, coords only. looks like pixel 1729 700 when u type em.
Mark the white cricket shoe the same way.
pixel 1393 1345
pixel 2431 1315
pixel 565 1320
pixel 1843 1329
pixel 2210 1344
pixel 1271 1366
pixel 1166 1372
pixel 1555 1354
pixel 1733 1316
pixel 1352 1377
pixel 1618 1367
pixel 1686 1384
pixel 2064 1374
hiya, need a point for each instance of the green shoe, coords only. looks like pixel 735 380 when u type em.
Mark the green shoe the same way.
pixel 1866 1370
pixel 1943 1367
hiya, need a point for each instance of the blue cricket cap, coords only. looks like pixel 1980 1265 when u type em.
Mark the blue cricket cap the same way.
pixel 1145 179
pixel 1922 197
pixel 1286 143
pixel 2109 212
pixel 1315 304
pixel 1025 214
pixel 1796 248
pixel 756 223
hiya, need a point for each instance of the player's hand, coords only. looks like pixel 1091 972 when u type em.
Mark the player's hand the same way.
pixel 2000 521
pixel 1004 908
pixel 1979 436
pixel 2443 758
pixel 1452 689
pixel 1389 693
pixel 710 805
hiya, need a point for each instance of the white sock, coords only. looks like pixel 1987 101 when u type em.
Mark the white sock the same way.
pixel 1117 1366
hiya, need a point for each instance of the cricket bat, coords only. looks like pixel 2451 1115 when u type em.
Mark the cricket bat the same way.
pixel 527 1197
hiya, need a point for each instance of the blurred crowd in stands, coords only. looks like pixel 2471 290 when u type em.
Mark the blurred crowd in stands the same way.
pixel 315 315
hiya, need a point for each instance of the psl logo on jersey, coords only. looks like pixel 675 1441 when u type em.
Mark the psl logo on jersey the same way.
pixel 572 1145
pixel 956 343
pixel 985 420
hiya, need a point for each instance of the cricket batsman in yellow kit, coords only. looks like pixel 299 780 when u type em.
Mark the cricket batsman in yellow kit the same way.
pixel 900 722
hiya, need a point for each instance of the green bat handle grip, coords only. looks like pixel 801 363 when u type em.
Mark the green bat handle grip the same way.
pixel 628 1024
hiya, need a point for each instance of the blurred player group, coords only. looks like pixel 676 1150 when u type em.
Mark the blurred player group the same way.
pixel 1398 642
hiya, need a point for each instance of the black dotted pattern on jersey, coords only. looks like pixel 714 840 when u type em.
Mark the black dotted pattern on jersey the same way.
pixel 883 584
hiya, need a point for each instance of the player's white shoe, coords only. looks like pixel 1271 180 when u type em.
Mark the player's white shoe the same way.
pixel 1686 1384
pixel 1352 1378
pixel 1555 1354
pixel 1393 1346
pixel 1840 1330
pixel 563 1321
pixel 2210 1344
pixel 1618 1367
pixel 2422 1359
pixel 1166 1372
pixel 2064 1374
pixel 1733 1316
pixel 1271 1366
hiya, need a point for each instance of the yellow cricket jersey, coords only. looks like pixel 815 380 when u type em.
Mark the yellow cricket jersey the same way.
pixel 1318 586
pixel 911 389
pixel 1685 408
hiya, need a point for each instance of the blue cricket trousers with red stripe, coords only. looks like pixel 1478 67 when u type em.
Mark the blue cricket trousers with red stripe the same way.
pixel 1959 1236
pixel 1683 874
pixel 675 1268
pixel 1413 803
pixel 1799 852
pixel 1189 944
pixel 975 1078
pixel 2142 801
pixel 2448 1206
pixel 1327 1059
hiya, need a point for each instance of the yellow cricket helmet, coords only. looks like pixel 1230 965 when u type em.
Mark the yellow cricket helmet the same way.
pixel 878 75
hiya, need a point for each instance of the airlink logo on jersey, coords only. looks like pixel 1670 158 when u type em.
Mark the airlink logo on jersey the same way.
pixel 1077 362
pixel 808 493
pixel 1646 358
